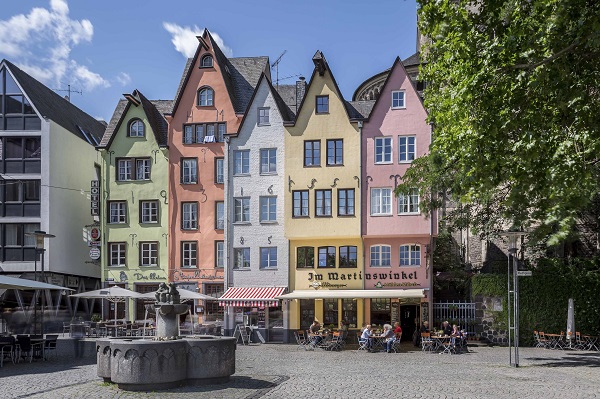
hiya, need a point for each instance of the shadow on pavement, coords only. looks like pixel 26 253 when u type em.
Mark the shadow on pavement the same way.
pixel 570 360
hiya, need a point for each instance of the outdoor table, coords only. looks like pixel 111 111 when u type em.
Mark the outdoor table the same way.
pixel 591 342
pixel 442 341
pixel 114 328
pixel 378 342
pixel 555 341
pixel 78 330
pixel 314 341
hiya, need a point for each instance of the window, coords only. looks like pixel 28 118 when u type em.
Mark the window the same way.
pixel 19 154
pixel 15 244
pixel 383 150
pixel 148 253
pixel 241 210
pixel 268 257
pixel 205 97
pixel 268 209
pixel 406 148
pixel 410 255
pixel 117 253
pixel 207 61
pixel 323 203
pixel 348 256
pixel 220 215
pixel 149 212
pixel 20 197
pixel 221 130
pixel 322 104
pixel 219 253
pixel 381 255
pixel 409 203
pixel 381 201
pixel 330 311
pixel 312 153
pixel 189 170
pixel 326 257
pixel 300 203
pixel 241 258
pixel 189 221
pixel 346 202
pixel 398 99
pixel 204 133
pixel 268 160
pixel 136 128
pixel 219 170
pixel 142 169
pixel 305 257
pixel 133 169
pixel 241 162
pixel 18 113
pixel 117 212
pixel 335 152
pixel 189 254
pixel 263 116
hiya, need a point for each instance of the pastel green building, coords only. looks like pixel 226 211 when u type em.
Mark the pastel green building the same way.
pixel 134 209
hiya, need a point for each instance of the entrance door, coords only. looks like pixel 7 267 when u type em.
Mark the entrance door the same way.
pixel 408 320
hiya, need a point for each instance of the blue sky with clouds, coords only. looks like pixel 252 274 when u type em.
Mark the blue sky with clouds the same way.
pixel 107 48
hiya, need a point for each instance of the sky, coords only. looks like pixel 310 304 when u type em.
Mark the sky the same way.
pixel 107 48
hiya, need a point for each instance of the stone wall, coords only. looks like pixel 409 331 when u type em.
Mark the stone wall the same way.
pixel 488 328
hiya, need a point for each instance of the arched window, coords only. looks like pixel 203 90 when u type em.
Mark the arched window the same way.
pixel 410 255
pixel 205 97
pixel 136 128
pixel 381 255
pixel 207 61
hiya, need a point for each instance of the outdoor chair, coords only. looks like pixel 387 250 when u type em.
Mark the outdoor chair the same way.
pixel 66 327
pixel 544 340
pixel 27 349
pixel 396 344
pixel 363 344
pixel 579 343
pixel 301 340
pixel 50 345
pixel 426 342
pixel 7 349
pixel 336 343
pixel 101 330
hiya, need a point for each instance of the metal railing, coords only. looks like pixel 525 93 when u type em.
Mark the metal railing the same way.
pixel 459 313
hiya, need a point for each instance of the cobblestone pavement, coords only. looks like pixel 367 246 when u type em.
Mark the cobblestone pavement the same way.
pixel 282 371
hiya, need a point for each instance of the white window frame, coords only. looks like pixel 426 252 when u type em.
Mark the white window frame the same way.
pixel 189 254
pixel 380 207
pixel 205 57
pixel 377 255
pixel 409 204
pixel 271 258
pixel 241 210
pixel 241 258
pixel 208 99
pixel 125 168
pixel 268 161
pixel 219 254
pixel 405 148
pixel 268 209
pixel 400 102
pixel 143 165
pixel 220 215
pixel 263 116
pixel 414 255
pixel 189 216
pixel 149 210
pixel 149 253
pixel 120 250
pixel 381 145
pixel 117 212
pixel 220 171
pixel 189 171
pixel 137 122
pixel 241 162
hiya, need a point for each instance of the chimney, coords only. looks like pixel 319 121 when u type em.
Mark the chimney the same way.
pixel 300 91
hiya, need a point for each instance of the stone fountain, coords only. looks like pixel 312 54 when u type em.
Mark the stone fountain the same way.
pixel 167 360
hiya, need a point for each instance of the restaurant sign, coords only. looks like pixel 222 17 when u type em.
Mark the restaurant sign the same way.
pixel 338 280
pixel 196 274
pixel 141 276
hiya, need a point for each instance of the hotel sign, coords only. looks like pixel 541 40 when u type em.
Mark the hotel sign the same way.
pixel 95 198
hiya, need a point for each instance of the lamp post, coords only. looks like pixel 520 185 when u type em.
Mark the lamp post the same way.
pixel 40 237
pixel 513 345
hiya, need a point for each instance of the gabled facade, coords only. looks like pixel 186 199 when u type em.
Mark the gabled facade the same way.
pixel 322 203
pixel 134 216
pixel 44 139
pixel 256 249
pixel 209 104
pixel 397 236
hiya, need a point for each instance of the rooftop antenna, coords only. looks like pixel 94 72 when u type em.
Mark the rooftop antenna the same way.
pixel 69 91
pixel 276 66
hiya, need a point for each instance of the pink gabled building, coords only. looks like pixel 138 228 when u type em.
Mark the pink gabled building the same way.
pixel 397 237
pixel 210 102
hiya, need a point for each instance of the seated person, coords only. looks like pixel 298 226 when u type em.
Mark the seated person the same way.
pixel 455 331
pixel 367 336
pixel 314 329
pixel 397 330
pixel 425 327
pixel 388 334
pixel 343 330
pixel 447 328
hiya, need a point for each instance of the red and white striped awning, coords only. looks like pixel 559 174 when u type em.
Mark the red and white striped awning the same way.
pixel 251 296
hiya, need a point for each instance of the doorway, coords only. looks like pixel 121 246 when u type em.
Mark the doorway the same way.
pixel 409 315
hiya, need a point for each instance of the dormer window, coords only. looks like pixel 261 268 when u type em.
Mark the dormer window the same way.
pixel 322 104
pixel 205 97
pixel 398 99
pixel 206 61
pixel 136 128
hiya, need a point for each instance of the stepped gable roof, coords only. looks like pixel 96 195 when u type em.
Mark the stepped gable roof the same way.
pixel 240 74
pixel 52 106
pixel 288 94
pixel 154 110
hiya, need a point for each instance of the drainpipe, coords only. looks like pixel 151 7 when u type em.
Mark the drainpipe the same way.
pixel 362 241
pixel 227 239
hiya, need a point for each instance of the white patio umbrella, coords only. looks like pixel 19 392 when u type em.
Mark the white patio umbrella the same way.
pixel 571 322
pixel 25 284
pixel 113 294
pixel 184 295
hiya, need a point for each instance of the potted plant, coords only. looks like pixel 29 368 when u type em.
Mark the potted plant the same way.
pixel 95 318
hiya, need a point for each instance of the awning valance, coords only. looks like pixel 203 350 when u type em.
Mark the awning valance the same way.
pixel 324 294
pixel 251 296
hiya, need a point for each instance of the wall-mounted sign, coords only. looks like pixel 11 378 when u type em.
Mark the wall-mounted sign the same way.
pixel 72 282
pixel 95 198
pixel 140 276
pixel 95 233
pixel 95 253
pixel 339 280
pixel 195 274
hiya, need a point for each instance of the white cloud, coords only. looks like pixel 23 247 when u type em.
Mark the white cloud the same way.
pixel 41 43
pixel 184 39
pixel 123 78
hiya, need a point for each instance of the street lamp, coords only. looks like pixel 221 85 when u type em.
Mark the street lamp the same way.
pixel 40 237
pixel 513 345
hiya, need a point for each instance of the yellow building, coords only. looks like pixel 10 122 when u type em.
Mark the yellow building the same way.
pixel 322 204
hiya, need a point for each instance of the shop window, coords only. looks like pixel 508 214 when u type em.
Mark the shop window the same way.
pixel 349 312
pixel 381 311
pixel 307 313
pixel 330 313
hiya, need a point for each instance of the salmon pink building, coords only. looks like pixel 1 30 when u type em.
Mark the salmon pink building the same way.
pixel 210 103
pixel 397 237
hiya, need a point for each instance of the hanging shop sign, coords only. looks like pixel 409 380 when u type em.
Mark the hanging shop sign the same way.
pixel 95 198
pixel 95 233
pixel 95 253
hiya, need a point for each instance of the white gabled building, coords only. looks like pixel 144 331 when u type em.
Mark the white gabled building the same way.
pixel 256 259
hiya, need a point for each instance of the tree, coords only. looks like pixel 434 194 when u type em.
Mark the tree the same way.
pixel 514 95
